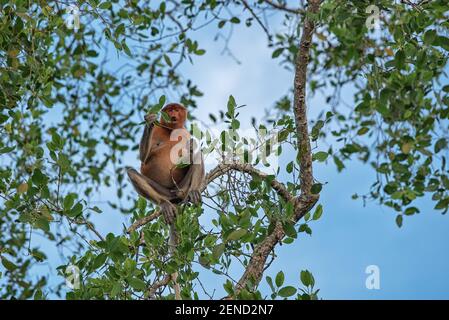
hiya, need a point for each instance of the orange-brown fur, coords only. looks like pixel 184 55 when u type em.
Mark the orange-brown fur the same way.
pixel 159 167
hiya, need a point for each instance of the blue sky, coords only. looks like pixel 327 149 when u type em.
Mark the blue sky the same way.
pixel 413 260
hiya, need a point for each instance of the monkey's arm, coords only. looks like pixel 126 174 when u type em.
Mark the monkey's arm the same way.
pixel 145 141
pixel 191 184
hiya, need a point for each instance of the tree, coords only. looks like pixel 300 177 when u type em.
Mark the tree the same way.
pixel 65 128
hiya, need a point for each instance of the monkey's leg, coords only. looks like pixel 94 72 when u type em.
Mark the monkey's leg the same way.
pixel 154 192
pixel 160 195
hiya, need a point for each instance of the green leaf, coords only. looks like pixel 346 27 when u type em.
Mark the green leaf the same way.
pixel 320 156
pixel 39 178
pixel 8 264
pixel 38 255
pixel 287 291
pixel 279 279
pixel 3 118
pixel 316 188
pixel 362 131
pixel 96 209
pixel 270 283
pixel 289 229
pixel 277 53
pixel 340 165
pixel 38 295
pixel 307 278
pixel 43 224
pixel 411 211
pixel 69 200
pixel 204 261
pixel 126 48
pixel 76 210
pixel 116 289
pixel 137 284
pixel 289 167
pixel 6 149
pixel 236 234
pixel 440 145
pixel 231 106
pixel 57 140
pixel 442 204
pixel 99 261
pixel 442 42
pixel 399 220
pixel 218 250
pixel 229 287
pixel 162 100
pixel 429 36
pixel 400 59
pixel 235 20
pixel 318 212
pixel 105 5
pixel 168 60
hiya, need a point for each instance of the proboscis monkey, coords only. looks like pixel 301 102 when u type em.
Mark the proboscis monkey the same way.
pixel 171 170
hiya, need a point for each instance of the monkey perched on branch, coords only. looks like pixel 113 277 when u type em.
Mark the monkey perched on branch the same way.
pixel 171 171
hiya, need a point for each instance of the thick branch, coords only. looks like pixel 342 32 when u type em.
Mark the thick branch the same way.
pixel 158 284
pixel 255 268
pixel 306 200
pixel 299 107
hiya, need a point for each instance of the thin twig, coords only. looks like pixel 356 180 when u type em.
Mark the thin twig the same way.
pixel 141 222
pixel 283 7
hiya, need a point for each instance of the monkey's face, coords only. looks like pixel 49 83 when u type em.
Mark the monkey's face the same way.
pixel 177 116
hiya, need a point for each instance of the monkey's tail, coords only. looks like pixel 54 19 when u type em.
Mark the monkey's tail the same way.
pixel 172 243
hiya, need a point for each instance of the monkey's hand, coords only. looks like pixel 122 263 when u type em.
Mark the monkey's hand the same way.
pixel 194 197
pixel 150 118
pixel 168 212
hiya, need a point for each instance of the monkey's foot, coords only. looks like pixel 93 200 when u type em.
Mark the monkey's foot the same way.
pixel 169 211
pixel 194 197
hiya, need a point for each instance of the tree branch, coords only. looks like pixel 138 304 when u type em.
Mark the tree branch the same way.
pixel 223 168
pixel 158 284
pixel 306 200
pixel 247 6
pixel 299 107
pixel 283 7
pixel 141 222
